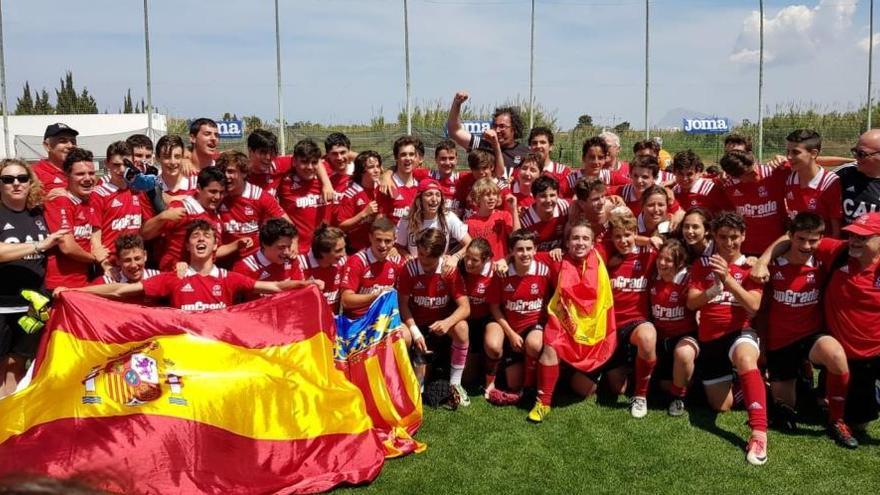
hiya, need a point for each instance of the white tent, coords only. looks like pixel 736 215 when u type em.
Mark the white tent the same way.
pixel 96 131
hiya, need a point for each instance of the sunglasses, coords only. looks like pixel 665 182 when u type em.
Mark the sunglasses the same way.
pixel 862 154
pixel 10 179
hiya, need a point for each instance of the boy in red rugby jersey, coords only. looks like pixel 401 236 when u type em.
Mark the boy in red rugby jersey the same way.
pixel 795 333
pixel 541 142
pixel 757 193
pixel 325 263
pixel 547 216
pixel 628 269
pixel 644 171
pixel 276 259
pixel 358 206
pixel 408 152
pixel 726 298
pixel 370 272
pixel 437 304
pixel 489 222
pixel 594 157
pixel 691 188
pixel 811 188
pixel 446 159
pixel 301 196
pixel 203 287
pixel 245 207
pixel 518 305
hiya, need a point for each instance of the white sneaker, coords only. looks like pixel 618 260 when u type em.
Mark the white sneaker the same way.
pixel 676 408
pixel 638 407
pixel 461 395
pixel 756 451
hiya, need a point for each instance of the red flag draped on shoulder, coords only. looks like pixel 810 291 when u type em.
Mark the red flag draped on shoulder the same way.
pixel 148 400
pixel 580 316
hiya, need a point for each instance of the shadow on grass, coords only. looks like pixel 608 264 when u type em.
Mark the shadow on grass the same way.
pixel 706 420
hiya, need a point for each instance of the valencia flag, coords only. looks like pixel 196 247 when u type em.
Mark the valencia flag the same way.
pixel 147 400
pixel 372 353
pixel 580 316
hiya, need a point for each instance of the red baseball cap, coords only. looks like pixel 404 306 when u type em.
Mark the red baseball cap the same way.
pixel 429 185
pixel 866 225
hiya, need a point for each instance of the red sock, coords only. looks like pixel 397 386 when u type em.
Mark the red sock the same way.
pixel 547 378
pixel 836 387
pixel 643 376
pixel 755 396
pixel 678 392
pixel 491 367
pixel 531 368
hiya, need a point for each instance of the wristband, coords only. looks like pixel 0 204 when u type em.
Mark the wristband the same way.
pixel 714 291
pixel 416 333
pixel 36 246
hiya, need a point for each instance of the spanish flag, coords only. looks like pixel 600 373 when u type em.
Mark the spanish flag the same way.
pixel 580 316
pixel 372 353
pixel 149 400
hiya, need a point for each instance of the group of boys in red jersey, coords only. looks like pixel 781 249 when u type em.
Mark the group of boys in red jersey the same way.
pixel 737 280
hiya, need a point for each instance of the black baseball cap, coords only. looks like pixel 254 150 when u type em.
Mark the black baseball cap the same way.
pixel 58 128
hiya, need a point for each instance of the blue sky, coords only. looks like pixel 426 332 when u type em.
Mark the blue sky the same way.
pixel 343 59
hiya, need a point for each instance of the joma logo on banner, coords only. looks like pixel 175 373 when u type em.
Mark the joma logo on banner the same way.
pixel 706 126
pixel 475 127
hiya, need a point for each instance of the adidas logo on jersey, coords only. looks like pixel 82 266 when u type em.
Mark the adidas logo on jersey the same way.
pixel 736 192
pixel 851 189
pixel 368 274
pixel 187 288
pixel 57 181
pixel 508 288
pixel 115 203
pixel 8 226
pixel 419 285
pixel 778 276
pixel 754 406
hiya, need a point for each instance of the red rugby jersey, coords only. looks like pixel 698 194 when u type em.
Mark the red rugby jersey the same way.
pixel 669 310
pixel 119 212
pixel 51 177
pixel 174 233
pixel 702 193
pixel 366 274
pixel 607 176
pixel 795 308
pixel 724 314
pixel 353 200
pixel 448 186
pixel 243 215
pixel 121 279
pixel 822 196
pixel 523 298
pixel 479 287
pixel 556 170
pixel 78 216
pixel 852 303
pixel 551 231
pixel 258 267
pixel 495 228
pixel 304 203
pixel 196 292
pixel 186 185
pixel 524 198
pixel 432 294
pixel 397 207
pixel 330 275
pixel 634 203
pixel 270 179
pixel 761 204
pixel 629 285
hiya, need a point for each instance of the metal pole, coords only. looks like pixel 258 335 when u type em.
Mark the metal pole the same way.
pixel 870 59
pixel 647 80
pixel 532 72
pixel 149 80
pixel 281 129
pixel 6 144
pixel 761 83
pixel 406 54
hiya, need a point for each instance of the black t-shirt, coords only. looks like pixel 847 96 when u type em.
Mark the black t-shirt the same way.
pixel 512 156
pixel 861 194
pixel 27 273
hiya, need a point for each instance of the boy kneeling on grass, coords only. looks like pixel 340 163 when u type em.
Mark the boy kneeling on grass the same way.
pixel 437 303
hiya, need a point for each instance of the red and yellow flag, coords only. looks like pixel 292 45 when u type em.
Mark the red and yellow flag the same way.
pixel 580 316
pixel 243 400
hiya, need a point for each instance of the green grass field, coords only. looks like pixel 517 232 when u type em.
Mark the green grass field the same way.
pixel 585 447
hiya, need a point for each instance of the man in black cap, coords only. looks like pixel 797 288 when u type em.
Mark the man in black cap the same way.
pixel 58 140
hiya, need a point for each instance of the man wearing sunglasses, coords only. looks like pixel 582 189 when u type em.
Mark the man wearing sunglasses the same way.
pixel 860 181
